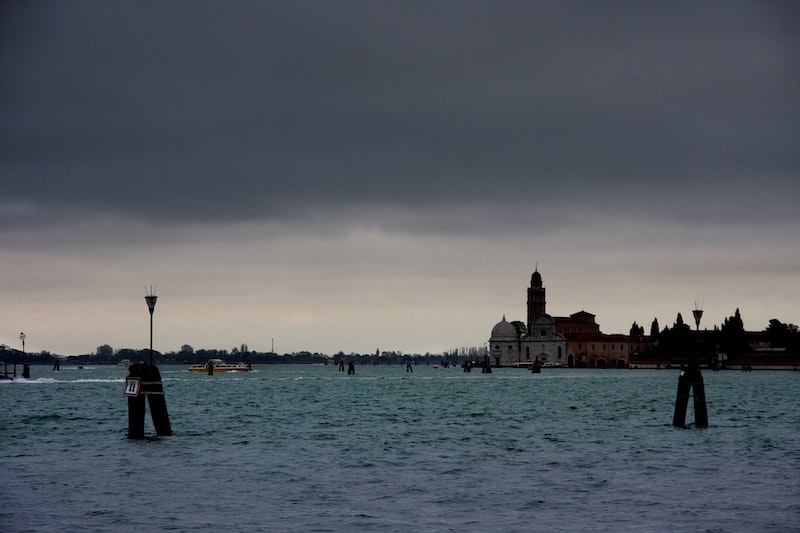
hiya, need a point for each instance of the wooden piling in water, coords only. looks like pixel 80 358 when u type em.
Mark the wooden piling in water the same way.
pixel 158 404
pixel 700 410
pixel 136 402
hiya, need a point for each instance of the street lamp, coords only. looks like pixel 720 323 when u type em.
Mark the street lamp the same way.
pixel 698 314
pixel 151 305
pixel 22 338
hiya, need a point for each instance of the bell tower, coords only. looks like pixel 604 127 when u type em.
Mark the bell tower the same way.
pixel 536 299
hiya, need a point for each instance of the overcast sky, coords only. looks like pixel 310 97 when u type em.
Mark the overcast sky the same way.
pixel 344 175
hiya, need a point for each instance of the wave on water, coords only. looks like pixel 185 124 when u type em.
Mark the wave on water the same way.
pixel 47 381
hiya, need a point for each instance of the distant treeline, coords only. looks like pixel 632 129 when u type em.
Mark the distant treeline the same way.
pixel 106 355
pixel 729 338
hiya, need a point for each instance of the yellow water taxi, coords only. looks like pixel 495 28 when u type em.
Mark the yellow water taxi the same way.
pixel 218 365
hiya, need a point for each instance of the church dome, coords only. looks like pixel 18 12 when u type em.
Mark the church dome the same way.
pixel 504 330
pixel 536 279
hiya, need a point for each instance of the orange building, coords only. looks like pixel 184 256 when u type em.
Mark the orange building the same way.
pixel 587 346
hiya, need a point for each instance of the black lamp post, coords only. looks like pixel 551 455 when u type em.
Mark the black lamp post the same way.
pixel 26 369
pixel 151 305
pixel 698 314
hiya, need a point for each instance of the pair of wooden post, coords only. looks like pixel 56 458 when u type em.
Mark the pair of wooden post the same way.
pixel 145 380
pixel 690 383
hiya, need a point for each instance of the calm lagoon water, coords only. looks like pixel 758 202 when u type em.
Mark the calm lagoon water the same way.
pixel 307 448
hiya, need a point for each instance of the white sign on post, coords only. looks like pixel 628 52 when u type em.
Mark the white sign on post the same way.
pixel 132 386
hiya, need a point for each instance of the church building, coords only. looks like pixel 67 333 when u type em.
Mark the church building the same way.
pixel 518 344
pixel 573 341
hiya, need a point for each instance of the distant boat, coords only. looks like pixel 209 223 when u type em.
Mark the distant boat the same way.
pixel 218 365
pixel 125 362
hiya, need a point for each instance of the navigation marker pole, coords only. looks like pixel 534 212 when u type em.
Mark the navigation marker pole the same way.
pixel 143 380
pixel 691 380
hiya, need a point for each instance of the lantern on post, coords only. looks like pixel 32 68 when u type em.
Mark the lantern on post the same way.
pixel 151 305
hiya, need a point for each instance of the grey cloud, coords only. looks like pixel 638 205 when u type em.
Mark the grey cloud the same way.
pixel 209 111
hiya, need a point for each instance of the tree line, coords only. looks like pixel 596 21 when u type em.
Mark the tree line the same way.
pixel 730 338
pixel 105 354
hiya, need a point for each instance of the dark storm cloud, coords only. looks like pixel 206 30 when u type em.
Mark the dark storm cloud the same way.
pixel 212 110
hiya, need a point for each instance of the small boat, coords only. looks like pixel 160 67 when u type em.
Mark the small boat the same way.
pixel 218 365
pixel 125 362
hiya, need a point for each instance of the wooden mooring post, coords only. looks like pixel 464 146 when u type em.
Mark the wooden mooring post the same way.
pixel 144 380
pixel 690 383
